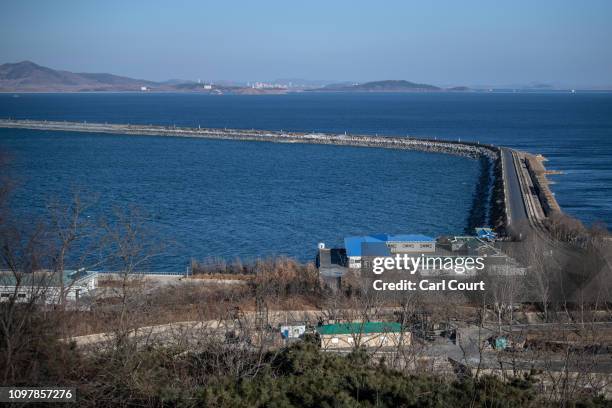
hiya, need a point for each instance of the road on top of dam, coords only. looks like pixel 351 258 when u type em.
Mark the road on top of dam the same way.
pixel 514 200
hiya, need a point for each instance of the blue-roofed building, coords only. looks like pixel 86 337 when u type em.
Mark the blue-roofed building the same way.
pixel 335 263
pixel 386 245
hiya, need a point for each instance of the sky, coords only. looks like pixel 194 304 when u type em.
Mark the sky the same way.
pixel 465 42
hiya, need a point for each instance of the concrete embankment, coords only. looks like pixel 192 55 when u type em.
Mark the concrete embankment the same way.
pixel 539 201
pixel 428 145
pixel 541 184
pixel 485 209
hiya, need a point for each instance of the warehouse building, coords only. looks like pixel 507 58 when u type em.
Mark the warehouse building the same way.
pixel 339 264
pixel 362 334
pixel 334 263
pixel 386 245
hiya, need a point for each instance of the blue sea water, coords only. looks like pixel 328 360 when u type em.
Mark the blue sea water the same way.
pixel 244 199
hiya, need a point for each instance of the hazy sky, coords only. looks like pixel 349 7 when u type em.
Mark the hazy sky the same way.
pixel 439 42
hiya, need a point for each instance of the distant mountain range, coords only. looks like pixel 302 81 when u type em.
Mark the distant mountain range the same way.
pixel 27 76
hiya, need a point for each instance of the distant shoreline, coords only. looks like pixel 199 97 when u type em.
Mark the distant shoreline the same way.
pixel 29 77
pixel 312 92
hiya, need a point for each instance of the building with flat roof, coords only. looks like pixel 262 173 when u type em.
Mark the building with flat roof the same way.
pixel 335 263
pixel 45 286
pixel 362 334
pixel 386 245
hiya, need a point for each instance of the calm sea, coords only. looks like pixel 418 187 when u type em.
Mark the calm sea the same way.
pixel 203 198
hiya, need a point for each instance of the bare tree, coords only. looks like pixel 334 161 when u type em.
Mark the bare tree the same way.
pixel 68 226
pixel 27 283
pixel 127 248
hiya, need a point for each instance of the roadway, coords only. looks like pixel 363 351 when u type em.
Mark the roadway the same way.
pixel 525 218
pixel 516 211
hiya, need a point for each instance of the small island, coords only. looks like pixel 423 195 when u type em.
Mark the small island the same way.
pixel 391 85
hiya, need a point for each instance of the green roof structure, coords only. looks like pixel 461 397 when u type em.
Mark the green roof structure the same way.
pixel 362 328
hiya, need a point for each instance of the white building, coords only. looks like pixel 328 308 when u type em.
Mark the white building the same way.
pixel 292 331
pixel 46 286
pixel 363 334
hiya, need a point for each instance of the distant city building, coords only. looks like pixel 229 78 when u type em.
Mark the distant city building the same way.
pixel 265 85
